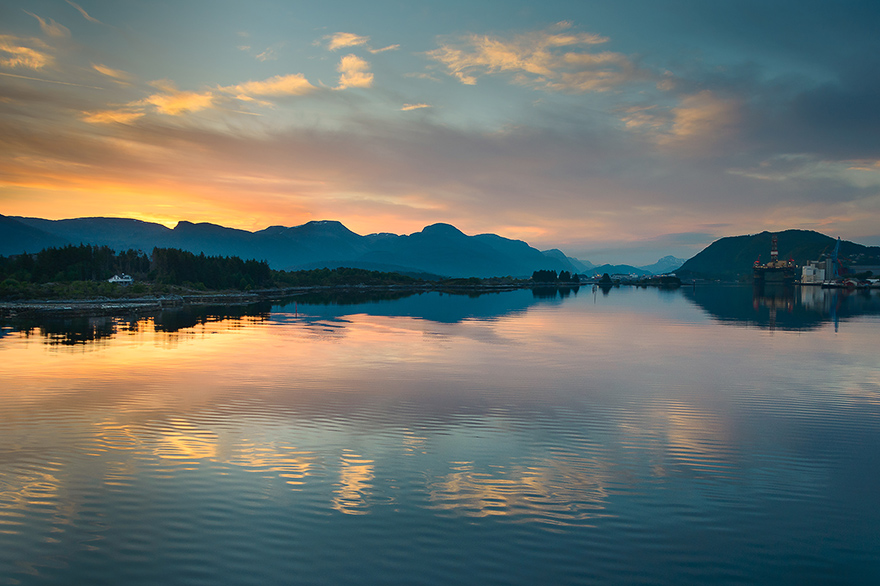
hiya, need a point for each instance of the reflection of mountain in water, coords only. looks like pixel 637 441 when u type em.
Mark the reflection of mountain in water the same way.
pixel 81 330
pixel 433 306
pixel 781 307
pixel 71 331
pixel 191 316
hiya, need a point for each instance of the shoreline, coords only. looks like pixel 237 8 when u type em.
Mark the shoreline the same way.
pixel 110 307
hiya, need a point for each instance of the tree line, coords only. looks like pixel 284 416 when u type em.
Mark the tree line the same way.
pixel 73 263
pixel 165 267
pixel 549 276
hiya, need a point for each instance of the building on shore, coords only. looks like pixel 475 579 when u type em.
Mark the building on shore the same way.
pixel 122 279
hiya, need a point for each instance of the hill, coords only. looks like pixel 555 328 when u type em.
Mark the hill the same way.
pixel 439 249
pixel 17 237
pixel 732 258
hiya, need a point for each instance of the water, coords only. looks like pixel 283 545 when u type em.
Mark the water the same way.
pixel 631 437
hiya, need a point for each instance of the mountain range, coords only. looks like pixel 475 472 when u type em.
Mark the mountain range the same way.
pixel 439 249
pixel 667 264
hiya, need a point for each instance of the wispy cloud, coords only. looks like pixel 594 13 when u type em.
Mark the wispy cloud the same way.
pixel 294 84
pixel 112 116
pixel 641 117
pixel 174 102
pixel 171 101
pixel 84 13
pixel 51 28
pixel 55 81
pixel 407 107
pixel 703 117
pixel 29 53
pixel 268 55
pixel 354 72
pixel 421 75
pixel 117 74
pixel 383 49
pixel 342 40
pixel 554 59
pixel 271 52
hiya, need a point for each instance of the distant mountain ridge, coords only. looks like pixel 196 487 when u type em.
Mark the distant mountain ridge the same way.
pixel 439 249
pixel 667 264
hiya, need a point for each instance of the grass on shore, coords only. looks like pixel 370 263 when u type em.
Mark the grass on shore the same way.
pixel 12 290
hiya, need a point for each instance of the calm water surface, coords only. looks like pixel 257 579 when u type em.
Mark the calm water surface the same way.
pixel 634 437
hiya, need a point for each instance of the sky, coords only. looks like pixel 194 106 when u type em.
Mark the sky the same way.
pixel 617 132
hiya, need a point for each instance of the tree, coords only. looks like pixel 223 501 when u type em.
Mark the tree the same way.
pixel 544 276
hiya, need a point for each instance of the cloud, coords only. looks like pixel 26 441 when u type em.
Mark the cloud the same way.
pixel 15 52
pixel 698 121
pixel 552 59
pixel 704 116
pixel 116 74
pixel 84 13
pixel 641 117
pixel 174 102
pixel 354 73
pixel 341 40
pixel 407 107
pixel 268 55
pixel 383 49
pixel 51 28
pixel 280 85
pixel 112 116
pixel 271 53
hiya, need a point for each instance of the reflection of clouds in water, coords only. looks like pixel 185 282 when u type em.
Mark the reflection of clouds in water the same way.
pixel 185 441
pixel 690 437
pixel 113 435
pixel 26 490
pixel 289 463
pixel 562 491
pixel 355 476
pixel 413 444
pixel 182 440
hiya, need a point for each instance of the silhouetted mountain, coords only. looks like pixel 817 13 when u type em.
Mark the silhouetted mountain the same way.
pixel 440 249
pixel 577 265
pixel 733 257
pixel 117 233
pixel 17 237
pixel 667 264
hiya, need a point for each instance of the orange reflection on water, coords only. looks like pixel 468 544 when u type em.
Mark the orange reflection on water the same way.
pixel 354 485
pixel 181 440
pixel 562 491
pixel 288 462
pixel 19 493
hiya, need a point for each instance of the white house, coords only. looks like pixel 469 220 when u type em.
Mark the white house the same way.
pixel 122 279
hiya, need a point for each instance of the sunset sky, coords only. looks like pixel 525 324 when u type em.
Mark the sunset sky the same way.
pixel 616 131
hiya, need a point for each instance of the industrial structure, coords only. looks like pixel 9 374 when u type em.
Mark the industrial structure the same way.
pixel 776 271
